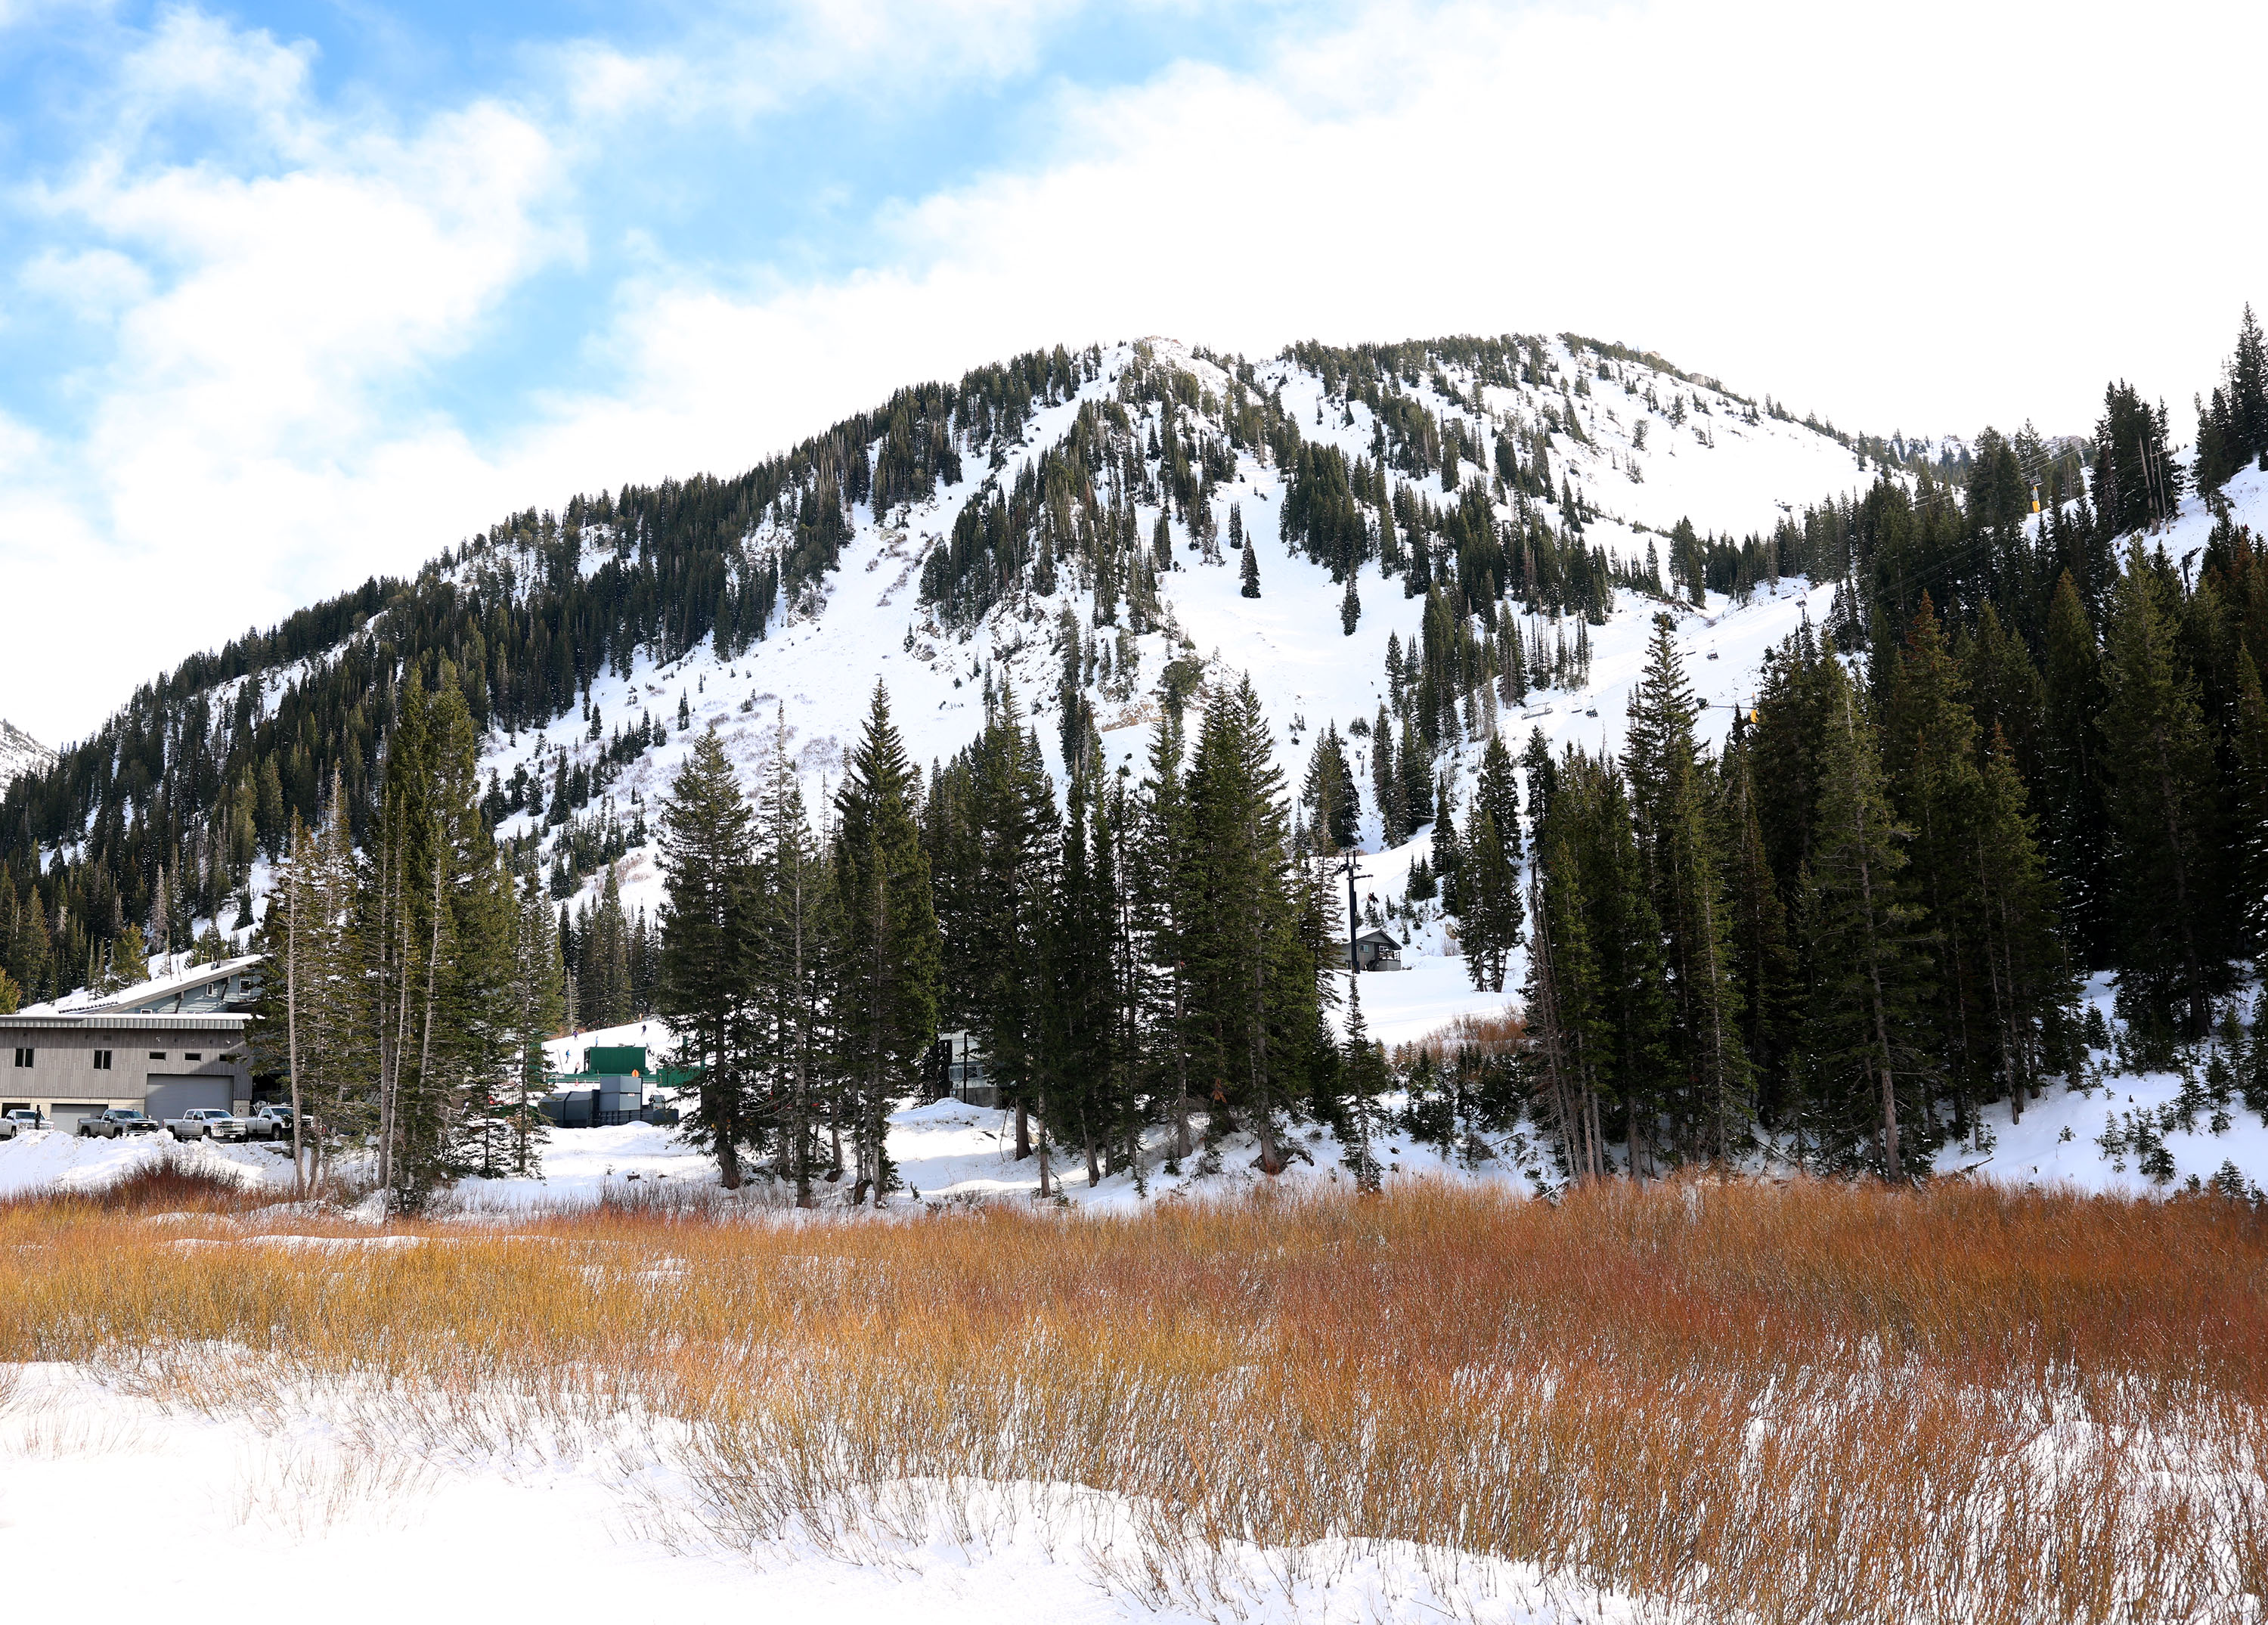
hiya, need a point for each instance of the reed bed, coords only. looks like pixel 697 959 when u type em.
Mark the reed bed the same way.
pixel 1794 1402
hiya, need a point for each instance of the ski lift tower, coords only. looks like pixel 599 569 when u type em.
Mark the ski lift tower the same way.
pixel 1349 861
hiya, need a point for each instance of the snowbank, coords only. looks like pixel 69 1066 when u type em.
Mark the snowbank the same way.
pixel 222 1511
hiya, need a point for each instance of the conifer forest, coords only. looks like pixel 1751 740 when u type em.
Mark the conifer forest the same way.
pixel 2023 745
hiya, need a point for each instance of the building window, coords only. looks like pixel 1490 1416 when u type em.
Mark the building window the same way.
pixel 157 1054
pixel 23 1057
pixel 102 1061
pixel 193 1054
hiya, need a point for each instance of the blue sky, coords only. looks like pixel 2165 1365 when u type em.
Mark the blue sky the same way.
pixel 296 292
pixel 776 165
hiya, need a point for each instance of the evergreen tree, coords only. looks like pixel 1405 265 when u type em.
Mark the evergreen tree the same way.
pixel 1330 794
pixel 1670 802
pixel 1081 1078
pixel 1764 957
pixel 1565 998
pixel 1543 778
pixel 1165 881
pixel 1386 782
pixel 1365 1078
pixel 2163 797
pixel 2252 753
pixel 1590 828
pixel 606 959
pixel 1975 865
pixel 2078 831
pixel 2247 433
pixel 539 1005
pixel 2028 975
pixel 128 964
pixel 442 930
pixel 1248 573
pixel 1252 982
pixel 708 930
pixel 795 929
pixel 1871 1063
pixel 1016 833
pixel 1417 768
pixel 2137 483
pixel 1489 874
pixel 889 945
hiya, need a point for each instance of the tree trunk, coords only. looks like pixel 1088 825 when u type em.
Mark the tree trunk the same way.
pixel 291 1026
pixel 1183 1144
pixel 803 1197
pixel 432 978
pixel 723 1121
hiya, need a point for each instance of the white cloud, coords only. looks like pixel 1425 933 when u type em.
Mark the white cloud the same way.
pixel 95 283
pixel 242 446
pixel 1902 228
pixel 871 50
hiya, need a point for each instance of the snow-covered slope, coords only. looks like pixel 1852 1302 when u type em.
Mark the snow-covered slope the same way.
pixel 1656 446
pixel 20 753
pixel 818 666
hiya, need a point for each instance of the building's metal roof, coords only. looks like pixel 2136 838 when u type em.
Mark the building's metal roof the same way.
pixel 86 1021
pixel 187 979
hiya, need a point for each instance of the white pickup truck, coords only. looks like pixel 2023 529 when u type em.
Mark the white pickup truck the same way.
pixel 117 1120
pixel 211 1123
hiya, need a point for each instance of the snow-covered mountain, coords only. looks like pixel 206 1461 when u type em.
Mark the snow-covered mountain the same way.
pixel 1004 534
pixel 1590 449
pixel 1639 472
pixel 21 754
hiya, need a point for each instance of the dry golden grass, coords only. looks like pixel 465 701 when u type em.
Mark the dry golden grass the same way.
pixel 1805 1401
pixel 1473 1032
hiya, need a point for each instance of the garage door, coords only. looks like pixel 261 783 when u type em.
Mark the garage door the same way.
pixel 68 1114
pixel 172 1096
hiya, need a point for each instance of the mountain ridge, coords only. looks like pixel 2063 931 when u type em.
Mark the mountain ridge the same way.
pixel 21 754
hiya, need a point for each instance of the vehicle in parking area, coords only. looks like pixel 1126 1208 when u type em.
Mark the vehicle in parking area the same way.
pixel 269 1122
pixel 24 1117
pixel 210 1123
pixel 116 1121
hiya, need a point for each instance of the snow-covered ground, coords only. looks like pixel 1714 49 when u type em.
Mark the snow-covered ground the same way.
pixel 117 1507
pixel 50 1159
pixel 2111 1131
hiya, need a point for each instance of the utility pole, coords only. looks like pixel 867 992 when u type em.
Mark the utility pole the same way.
pixel 1348 860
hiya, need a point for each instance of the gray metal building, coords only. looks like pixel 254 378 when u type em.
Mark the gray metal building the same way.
pixel 73 1065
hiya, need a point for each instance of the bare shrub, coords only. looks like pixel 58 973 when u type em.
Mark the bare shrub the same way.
pixel 1794 1402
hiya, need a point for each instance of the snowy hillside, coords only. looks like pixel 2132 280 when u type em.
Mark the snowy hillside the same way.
pixel 818 666
pixel 1128 471
pixel 20 753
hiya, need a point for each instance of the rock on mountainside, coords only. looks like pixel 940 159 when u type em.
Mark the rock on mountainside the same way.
pixel 20 753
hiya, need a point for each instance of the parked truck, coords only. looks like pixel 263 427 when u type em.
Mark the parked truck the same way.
pixel 205 1123
pixel 116 1121
pixel 270 1122
pixel 211 1123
